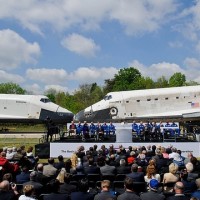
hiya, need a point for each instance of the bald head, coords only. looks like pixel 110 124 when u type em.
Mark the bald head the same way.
pixel 179 187
pixel 40 167
pixel 4 185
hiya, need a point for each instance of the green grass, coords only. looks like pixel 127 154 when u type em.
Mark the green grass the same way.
pixel 23 127
pixel 17 142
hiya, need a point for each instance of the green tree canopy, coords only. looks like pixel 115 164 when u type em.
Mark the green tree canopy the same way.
pixel 127 79
pixel 161 82
pixel 177 79
pixel 11 88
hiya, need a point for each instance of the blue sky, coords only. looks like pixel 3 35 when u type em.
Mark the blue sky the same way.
pixel 61 44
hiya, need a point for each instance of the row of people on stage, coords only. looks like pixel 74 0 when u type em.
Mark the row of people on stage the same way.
pixel 153 127
pixel 92 129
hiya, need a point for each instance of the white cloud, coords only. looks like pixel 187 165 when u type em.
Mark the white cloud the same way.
pixel 192 63
pixel 93 74
pixel 7 77
pixel 157 70
pixel 141 16
pixel 15 50
pixel 34 89
pixel 136 16
pixel 80 45
pixel 48 76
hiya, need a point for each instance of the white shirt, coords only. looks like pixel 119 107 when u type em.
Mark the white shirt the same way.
pixel 23 197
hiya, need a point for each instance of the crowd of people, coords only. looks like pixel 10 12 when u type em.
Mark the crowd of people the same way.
pixel 144 131
pixel 92 130
pixel 91 174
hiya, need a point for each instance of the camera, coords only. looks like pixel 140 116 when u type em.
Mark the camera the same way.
pixel 12 184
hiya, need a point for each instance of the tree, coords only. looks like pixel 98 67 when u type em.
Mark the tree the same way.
pixel 190 83
pixel 161 82
pixel 51 94
pixel 177 79
pixel 146 83
pixel 11 88
pixel 60 99
pixel 127 79
pixel 108 85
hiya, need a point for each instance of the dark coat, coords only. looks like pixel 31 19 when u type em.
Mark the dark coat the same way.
pixel 137 176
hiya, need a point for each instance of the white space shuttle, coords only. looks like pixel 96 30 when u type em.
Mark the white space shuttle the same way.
pixel 31 109
pixel 175 103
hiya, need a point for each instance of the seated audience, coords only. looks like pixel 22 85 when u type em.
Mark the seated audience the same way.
pixel 83 193
pixel 40 177
pixel 105 192
pixel 24 176
pixel 189 186
pixel 123 168
pixel 135 175
pixel 49 170
pixel 153 192
pixel 179 192
pixel 91 169
pixel 151 173
pixel 197 192
pixel 7 191
pixel 189 168
pixel 66 187
pixel 53 188
pixel 60 164
pixel 131 158
pixel 129 191
pixel 28 191
pixel 172 176
pixel 107 169
pixel 61 176
pixel 38 188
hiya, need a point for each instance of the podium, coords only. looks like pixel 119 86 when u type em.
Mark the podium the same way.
pixel 123 133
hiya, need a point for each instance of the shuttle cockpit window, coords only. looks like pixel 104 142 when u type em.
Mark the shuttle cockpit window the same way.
pixel 45 100
pixel 107 97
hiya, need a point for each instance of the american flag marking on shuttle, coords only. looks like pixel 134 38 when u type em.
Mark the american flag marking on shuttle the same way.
pixel 195 105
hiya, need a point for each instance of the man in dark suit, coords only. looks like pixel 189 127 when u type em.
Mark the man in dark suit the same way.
pixel 107 169
pixel 135 175
pixel 179 192
pixel 67 188
pixel 60 164
pixel 91 169
pixel 123 169
pixel 129 191
pixel 24 176
pixel 37 186
pixel 54 186
pixel 83 193
pixel 153 192
pixel 105 192
pixel 40 177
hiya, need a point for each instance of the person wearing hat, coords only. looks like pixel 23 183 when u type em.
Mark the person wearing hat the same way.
pixel 153 192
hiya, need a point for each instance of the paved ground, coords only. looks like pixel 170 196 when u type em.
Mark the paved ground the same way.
pixel 21 135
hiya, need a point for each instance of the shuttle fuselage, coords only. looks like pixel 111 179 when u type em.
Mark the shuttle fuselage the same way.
pixel 172 103
pixel 31 108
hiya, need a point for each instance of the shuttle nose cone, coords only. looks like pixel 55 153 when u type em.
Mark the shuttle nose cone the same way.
pixel 79 116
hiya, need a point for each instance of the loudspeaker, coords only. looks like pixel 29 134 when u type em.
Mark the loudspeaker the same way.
pixel 42 150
